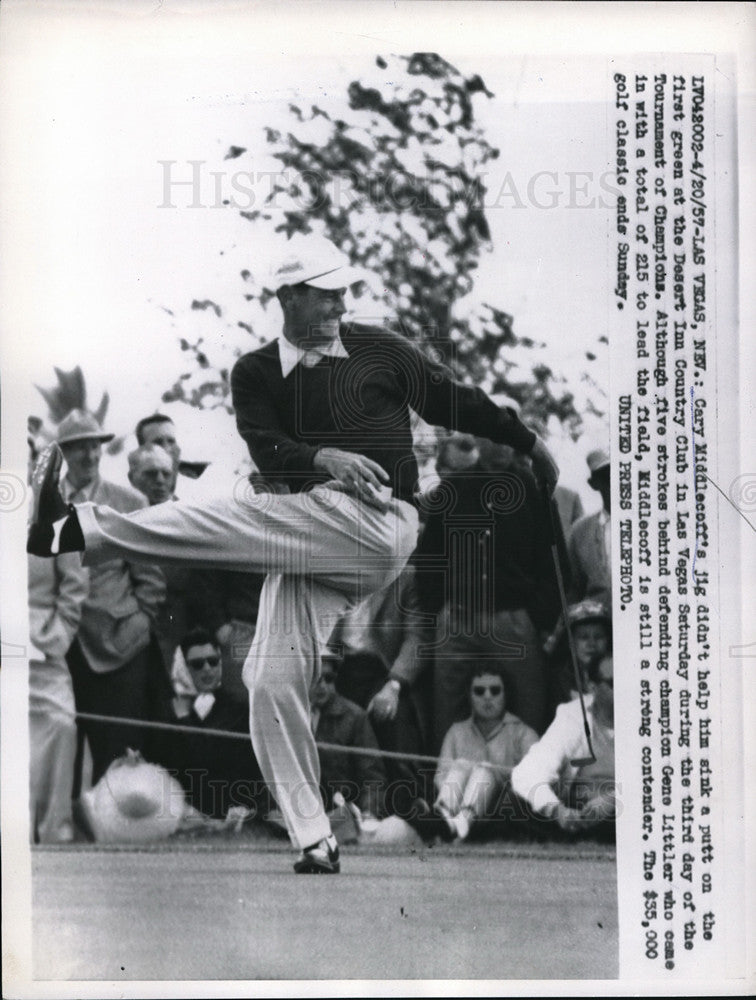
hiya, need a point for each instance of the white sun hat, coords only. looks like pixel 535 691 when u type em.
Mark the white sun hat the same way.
pixel 133 802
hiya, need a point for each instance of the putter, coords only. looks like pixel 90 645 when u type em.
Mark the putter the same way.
pixel 553 526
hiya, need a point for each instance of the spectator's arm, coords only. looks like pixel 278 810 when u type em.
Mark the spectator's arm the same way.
pixel 149 588
pixel 73 589
pixel 54 634
pixel 537 774
pixel 409 665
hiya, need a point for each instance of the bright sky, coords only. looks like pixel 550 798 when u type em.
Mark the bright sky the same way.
pixel 99 103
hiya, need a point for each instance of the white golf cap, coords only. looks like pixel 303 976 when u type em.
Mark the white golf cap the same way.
pixel 315 261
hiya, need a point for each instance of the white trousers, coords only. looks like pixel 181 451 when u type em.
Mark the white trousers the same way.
pixel 52 748
pixel 324 551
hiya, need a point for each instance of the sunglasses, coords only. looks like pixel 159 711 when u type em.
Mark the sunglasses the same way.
pixel 199 662
pixel 328 678
pixel 480 689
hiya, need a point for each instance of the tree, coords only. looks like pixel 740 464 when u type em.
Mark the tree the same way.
pixel 393 175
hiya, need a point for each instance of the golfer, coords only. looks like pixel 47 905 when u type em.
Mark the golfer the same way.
pixel 325 410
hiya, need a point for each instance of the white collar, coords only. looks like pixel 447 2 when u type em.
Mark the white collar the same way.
pixel 291 355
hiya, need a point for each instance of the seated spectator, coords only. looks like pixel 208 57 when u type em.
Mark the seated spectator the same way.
pixel 477 757
pixel 359 778
pixel 558 778
pixel 216 772
pixel 590 625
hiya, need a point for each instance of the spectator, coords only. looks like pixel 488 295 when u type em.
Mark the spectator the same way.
pixel 227 605
pixel 157 429
pixel 589 545
pixel 223 601
pixel 360 778
pixel 384 673
pixel 476 759
pixel 160 430
pixel 485 570
pixel 591 627
pixel 577 796
pixel 113 660
pixel 216 772
pixel 57 590
pixel 151 472
pixel 570 507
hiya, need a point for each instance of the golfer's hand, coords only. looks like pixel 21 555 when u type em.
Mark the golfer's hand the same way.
pixel 364 477
pixel 384 704
pixel 571 820
pixel 545 468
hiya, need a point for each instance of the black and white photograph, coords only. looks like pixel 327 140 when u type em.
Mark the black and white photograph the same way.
pixel 374 381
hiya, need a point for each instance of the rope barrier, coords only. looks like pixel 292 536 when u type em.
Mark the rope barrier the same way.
pixel 228 734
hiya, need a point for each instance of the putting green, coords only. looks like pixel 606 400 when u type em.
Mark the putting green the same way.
pixel 226 912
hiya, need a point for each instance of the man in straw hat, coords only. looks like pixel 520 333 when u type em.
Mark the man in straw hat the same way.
pixel 112 659
pixel 325 408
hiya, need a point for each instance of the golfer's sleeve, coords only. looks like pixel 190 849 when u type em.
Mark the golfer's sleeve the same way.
pixel 441 400
pixel 273 451
pixel 537 774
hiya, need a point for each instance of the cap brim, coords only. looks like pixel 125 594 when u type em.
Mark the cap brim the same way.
pixel 342 277
pixel 103 438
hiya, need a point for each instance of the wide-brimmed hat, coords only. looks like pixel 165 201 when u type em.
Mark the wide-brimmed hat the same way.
pixel 133 802
pixel 315 261
pixel 80 425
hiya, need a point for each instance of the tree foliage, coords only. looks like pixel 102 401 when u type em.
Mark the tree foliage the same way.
pixel 393 173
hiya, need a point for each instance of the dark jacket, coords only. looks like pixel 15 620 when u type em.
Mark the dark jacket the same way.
pixel 360 779
pixel 216 772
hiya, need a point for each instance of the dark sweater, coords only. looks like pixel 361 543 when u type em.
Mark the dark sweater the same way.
pixel 361 404
pixel 485 547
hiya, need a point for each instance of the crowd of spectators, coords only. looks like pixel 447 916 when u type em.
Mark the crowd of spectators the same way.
pixel 440 699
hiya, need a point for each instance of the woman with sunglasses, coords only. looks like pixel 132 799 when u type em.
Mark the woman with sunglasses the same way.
pixel 213 771
pixel 477 757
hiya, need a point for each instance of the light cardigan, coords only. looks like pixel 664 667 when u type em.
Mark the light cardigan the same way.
pixel 505 746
